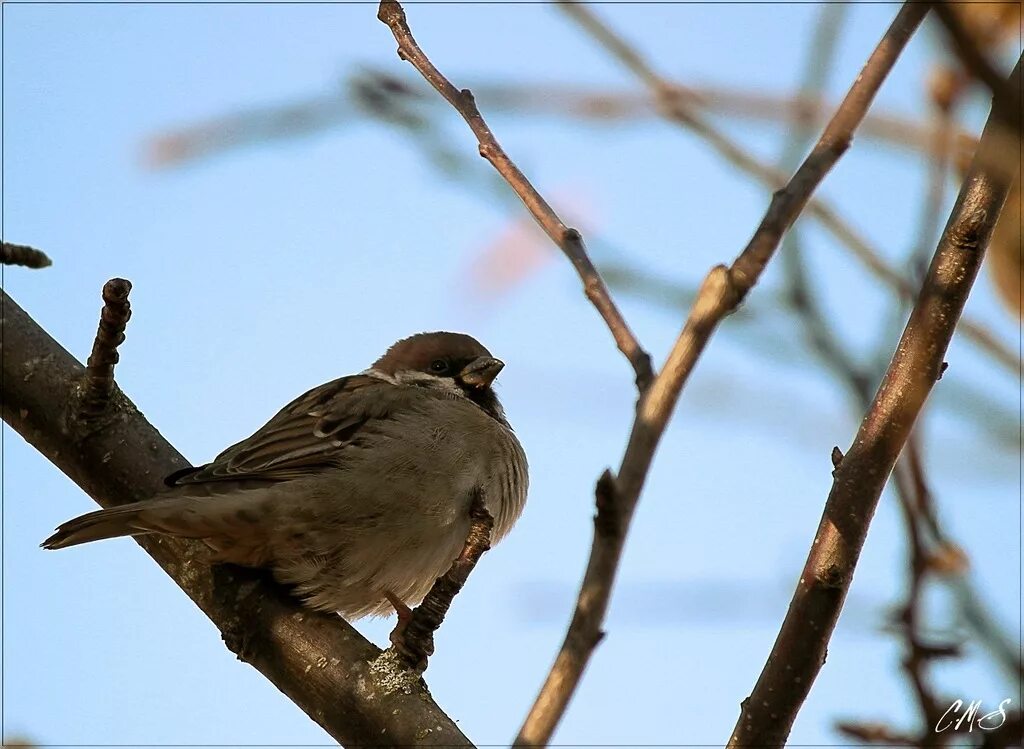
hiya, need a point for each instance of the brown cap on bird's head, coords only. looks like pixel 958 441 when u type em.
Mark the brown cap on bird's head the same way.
pixel 442 354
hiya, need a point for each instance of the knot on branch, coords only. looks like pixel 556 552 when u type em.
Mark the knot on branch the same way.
pixel 414 639
pixel 967 233
pixel 837 459
pixel 717 296
pixel 608 520
pixel 99 373
pixel 832 577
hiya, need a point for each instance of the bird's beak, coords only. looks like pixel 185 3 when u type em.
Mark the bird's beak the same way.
pixel 481 372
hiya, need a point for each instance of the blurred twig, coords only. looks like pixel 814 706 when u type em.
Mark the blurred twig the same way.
pixel 800 293
pixel 873 733
pixel 915 503
pixel 1006 99
pixel 797 656
pixel 934 196
pixel 801 109
pixel 20 254
pixel 400 99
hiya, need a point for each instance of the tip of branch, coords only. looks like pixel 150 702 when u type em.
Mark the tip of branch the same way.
pixel 28 257
pixel 116 290
pixel 391 13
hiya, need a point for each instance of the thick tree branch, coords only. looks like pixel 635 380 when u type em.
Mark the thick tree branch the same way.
pixel 799 651
pixel 568 240
pixel 676 106
pixel 722 290
pixel 320 662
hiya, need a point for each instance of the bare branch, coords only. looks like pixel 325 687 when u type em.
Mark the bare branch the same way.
pixel 676 107
pixel 568 240
pixel 723 289
pixel 99 372
pixel 20 254
pixel 319 661
pixel 414 640
pixel 799 651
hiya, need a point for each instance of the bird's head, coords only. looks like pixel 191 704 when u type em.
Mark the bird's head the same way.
pixel 454 363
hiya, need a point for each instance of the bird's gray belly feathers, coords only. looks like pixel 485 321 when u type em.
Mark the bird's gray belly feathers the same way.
pixel 400 540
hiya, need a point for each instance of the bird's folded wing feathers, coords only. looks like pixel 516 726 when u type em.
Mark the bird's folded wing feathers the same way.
pixel 307 435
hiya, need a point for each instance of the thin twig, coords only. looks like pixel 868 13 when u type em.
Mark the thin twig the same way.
pixel 98 384
pixel 723 289
pixel 676 107
pixel 20 254
pixel 799 651
pixel 415 643
pixel 568 240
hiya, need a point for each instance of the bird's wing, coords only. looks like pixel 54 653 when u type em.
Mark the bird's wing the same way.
pixel 307 435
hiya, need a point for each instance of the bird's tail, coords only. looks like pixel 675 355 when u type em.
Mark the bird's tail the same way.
pixel 94 526
pixel 237 528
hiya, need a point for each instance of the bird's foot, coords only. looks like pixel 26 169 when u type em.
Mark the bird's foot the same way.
pixel 404 617
pixel 414 650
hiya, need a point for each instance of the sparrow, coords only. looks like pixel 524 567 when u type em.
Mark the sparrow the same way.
pixel 357 493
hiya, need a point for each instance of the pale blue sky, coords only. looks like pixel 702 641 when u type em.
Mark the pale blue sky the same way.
pixel 266 270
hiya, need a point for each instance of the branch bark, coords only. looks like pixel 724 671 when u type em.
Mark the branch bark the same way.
pixel 321 663
pixel 767 715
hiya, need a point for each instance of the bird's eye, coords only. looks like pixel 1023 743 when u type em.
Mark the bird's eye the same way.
pixel 438 366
